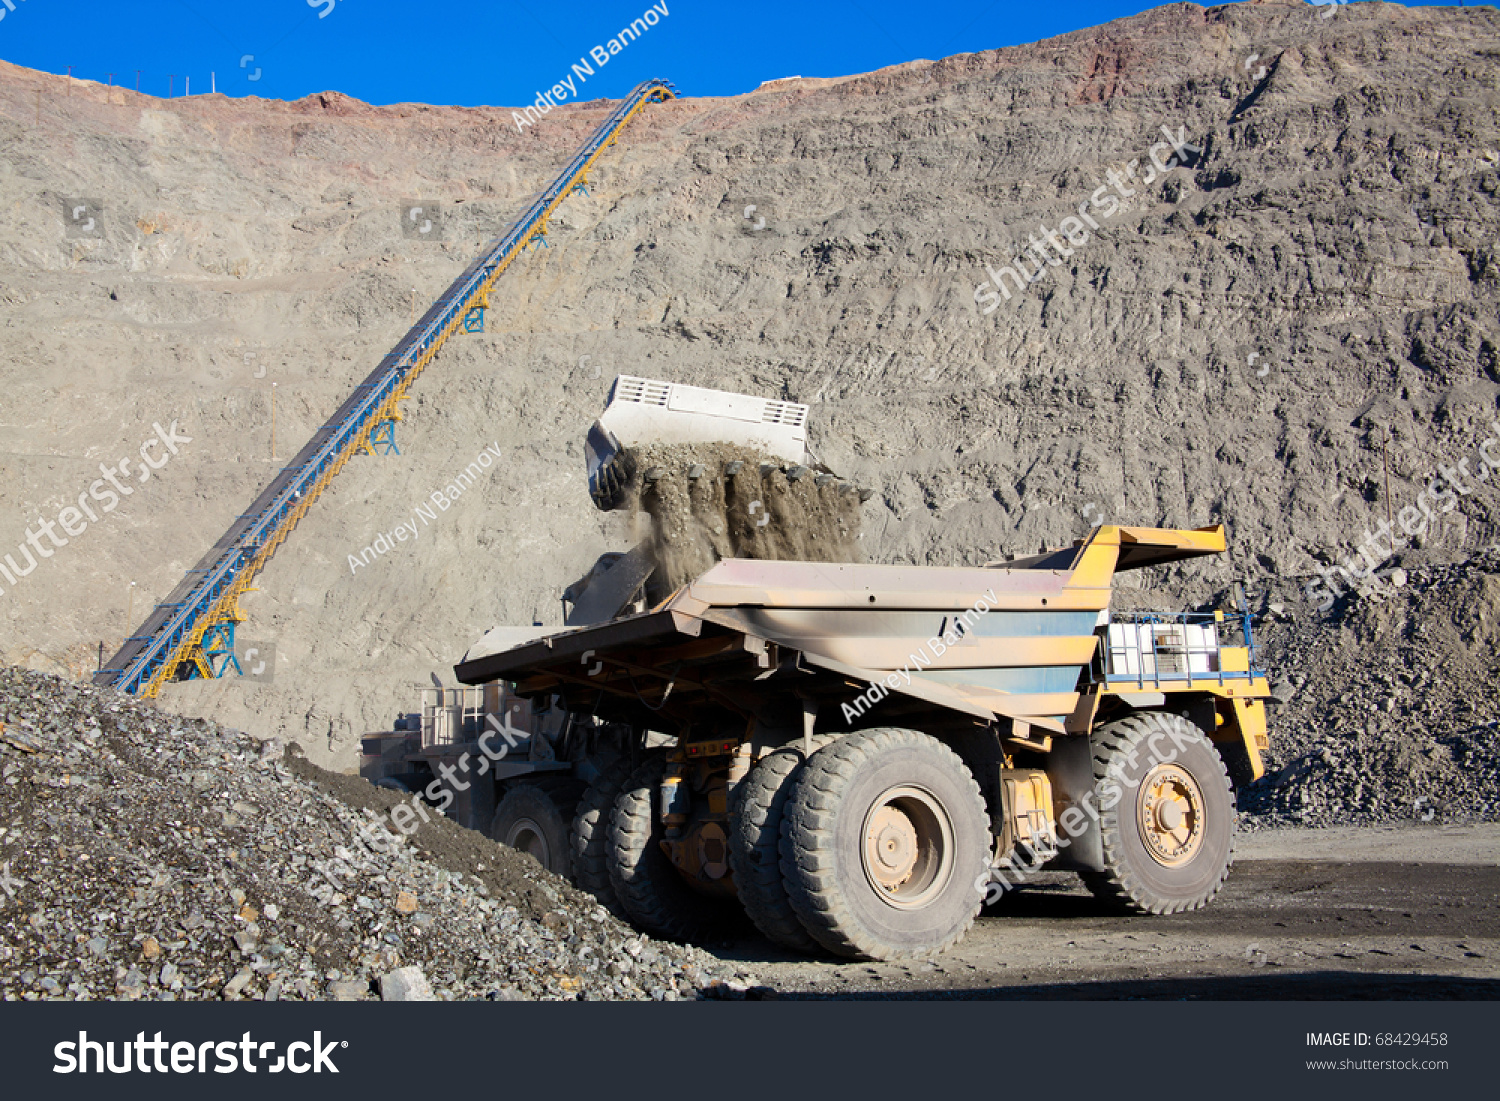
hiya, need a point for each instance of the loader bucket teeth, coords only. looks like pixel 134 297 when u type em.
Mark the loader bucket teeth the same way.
pixel 610 483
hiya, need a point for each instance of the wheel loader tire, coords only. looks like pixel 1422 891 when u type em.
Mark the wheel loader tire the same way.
pixel 885 846
pixel 527 818
pixel 755 815
pixel 590 834
pixel 1166 815
pixel 654 896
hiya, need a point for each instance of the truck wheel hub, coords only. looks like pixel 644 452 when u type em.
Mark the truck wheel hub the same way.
pixel 908 847
pixel 1169 815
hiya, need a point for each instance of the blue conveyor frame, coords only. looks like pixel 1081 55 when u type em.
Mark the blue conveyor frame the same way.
pixel 169 644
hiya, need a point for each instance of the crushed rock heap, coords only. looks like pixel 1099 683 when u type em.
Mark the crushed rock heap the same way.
pixel 147 856
pixel 713 501
pixel 1384 717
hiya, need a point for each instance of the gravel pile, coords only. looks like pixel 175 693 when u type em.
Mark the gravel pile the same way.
pixel 1384 777
pixel 1388 713
pixel 146 856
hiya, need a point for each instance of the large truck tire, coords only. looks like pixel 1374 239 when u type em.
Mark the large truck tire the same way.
pixel 590 834
pixel 1166 815
pixel 528 818
pixel 755 814
pixel 885 846
pixel 654 895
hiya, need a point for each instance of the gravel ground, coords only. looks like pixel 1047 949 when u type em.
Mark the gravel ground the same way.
pixel 1314 914
pixel 149 856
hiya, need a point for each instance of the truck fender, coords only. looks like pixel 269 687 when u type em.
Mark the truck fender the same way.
pixel 1070 767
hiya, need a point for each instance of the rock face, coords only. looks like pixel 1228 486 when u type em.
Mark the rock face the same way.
pixel 1304 299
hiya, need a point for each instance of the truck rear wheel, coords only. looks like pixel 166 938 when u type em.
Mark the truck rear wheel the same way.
pixel 1166 815
pixel 590 834
pixel 755 813
pixel 884 845
pixel 528 819
pixel 654 896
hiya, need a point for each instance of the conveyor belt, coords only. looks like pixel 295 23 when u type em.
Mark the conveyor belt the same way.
pixel 169 644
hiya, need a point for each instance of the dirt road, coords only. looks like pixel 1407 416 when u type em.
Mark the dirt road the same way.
pixel 1398 912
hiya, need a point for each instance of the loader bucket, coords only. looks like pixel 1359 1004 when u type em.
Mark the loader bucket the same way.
pixel 642 411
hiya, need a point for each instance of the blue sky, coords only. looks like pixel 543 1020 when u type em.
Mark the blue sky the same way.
pixel 472 51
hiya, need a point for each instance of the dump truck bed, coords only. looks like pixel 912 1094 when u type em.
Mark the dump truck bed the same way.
pixel 956 643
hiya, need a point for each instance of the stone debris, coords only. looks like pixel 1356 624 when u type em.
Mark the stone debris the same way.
pixel 123 879
pixel 712 501
pixel 405 984
pixel 1385 717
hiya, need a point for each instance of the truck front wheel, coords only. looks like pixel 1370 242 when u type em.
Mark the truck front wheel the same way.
pixel 885 846
pixel 1166 815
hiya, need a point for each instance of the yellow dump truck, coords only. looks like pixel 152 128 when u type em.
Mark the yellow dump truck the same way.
pixel 860 755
